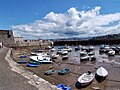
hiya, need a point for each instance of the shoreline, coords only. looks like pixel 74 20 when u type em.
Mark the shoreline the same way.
pixel 33 79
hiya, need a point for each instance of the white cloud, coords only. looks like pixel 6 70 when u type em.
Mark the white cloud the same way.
pixel 74 23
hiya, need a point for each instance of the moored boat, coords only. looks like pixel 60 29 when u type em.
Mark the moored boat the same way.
pixel 101 74
pixel 83 56
pixel 111 53
pixel 32 65
pixel 50 72
pixel 64 57
pixel 85 79
pixel 64 71
pixel 63 87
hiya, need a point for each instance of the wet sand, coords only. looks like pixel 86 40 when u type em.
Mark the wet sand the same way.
pixel 112 82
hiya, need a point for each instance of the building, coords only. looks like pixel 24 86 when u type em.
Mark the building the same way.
pixel 6 37
pixel 18 40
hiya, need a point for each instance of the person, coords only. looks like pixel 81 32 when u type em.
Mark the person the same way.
pixel 1 45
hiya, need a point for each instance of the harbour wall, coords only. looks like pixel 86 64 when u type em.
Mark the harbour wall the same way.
pixel 86 42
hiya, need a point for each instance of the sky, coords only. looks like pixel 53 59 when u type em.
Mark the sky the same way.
pixel 51 19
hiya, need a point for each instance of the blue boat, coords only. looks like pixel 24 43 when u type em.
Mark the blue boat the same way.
pixel 22 56
pixel 63 87
pixel 32 65
pixel 22 61
pixel 34 62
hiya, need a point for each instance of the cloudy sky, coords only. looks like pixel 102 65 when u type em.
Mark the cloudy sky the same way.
pixel 48 19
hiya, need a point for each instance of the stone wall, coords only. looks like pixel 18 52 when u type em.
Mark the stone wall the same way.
pixel 6 37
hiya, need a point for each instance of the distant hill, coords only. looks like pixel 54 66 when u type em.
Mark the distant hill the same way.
pixel 109 37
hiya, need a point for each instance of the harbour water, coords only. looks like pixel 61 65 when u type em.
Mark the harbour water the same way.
pixel 110 63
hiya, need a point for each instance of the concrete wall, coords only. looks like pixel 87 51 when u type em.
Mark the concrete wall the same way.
pixel 18 40
pixel 6 37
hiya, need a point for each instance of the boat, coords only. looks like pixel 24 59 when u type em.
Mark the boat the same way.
pixel 32 65
pixel 54 56
pixel 63 87
pixel 41 59
pixel 52 49
pixel 84 80
pixel 22 56
pixel 101 74
pixel 64 71
pixel 111 53
pixel 22 61
pixel 64 52
pixel 92 58
pixel 33 54
pixel 91 48
pixel 34 62
pixel 83 56
pixel 77 48
pixel 50 72
pixel 64 57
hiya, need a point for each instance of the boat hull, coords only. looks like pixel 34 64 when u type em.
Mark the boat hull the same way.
pixel 101 74
pixel 82 85
pixel 100 78
pixel 84 80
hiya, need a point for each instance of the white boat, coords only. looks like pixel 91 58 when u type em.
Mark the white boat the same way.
pixel 91 48
pixel 83 56
pixel 92 58
pixel 41 59
pixel 101 74
pixel 64 57
pixel 64 52
pixel 33 53
pixel 52 49
pixel 85 79
pixel 111 53
pixel 54 56
pixel 91 53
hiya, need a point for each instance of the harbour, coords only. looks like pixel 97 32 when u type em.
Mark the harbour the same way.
pixel 110 63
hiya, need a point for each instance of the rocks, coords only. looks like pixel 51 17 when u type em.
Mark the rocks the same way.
pixel 96 88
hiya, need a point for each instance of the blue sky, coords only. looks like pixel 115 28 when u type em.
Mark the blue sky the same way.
pixel 17 14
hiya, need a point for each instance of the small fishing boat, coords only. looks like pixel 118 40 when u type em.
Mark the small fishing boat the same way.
pixel 64 52
pixel 92 58
pixel 41 59
pixel 101 74
pixel 22 61
pixel 34 62
pixel 32 65
pixel 83 56
pixel 52 49
pixel 64 71
pixel 22 56
pixel 91 48
pixel 111 53
pixel 64 57
pixel 54 56
pixel 63 87
pixel 49 72
pixel 85 79
pixel 77 48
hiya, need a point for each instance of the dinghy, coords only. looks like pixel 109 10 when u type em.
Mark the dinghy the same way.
pixel 63 87
pixel 85 79
pixel 22 61
pixel 64 57
pixel 111 53
pixel 101 74
pixel 50 72
pixel 64 71
pixel 32 65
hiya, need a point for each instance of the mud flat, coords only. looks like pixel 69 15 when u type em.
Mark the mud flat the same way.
pixel 33 79
pixel 112 82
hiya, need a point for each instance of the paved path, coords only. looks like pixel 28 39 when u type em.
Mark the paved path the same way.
pixel 10 80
